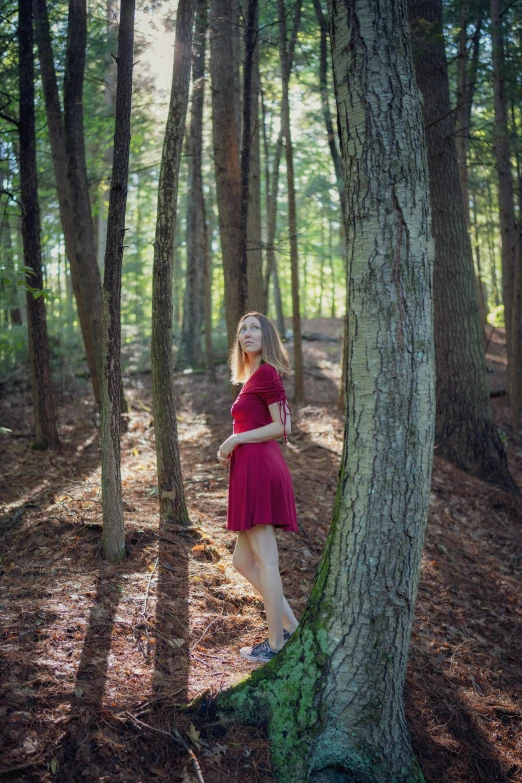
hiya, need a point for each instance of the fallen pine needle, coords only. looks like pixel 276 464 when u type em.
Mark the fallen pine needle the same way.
pixel 176 736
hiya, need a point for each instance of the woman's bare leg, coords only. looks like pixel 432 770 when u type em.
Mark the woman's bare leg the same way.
pixel 244 561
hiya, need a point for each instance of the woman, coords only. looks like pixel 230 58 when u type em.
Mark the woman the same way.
pixel 260 495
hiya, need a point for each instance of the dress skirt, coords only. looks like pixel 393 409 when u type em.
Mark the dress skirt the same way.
pixel 260 488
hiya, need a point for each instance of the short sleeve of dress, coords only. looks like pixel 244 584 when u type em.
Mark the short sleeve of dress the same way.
pixel 270 387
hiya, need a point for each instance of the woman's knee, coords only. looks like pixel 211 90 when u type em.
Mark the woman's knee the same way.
pixel 264 546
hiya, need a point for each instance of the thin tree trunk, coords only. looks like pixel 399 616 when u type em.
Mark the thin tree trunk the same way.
pixel 170 483
pixel 46 433
pixel 57 140
pixel 336 157
pixel 224 69
pixel 505 182
pixel 325 103
pixel 466 434
pixel 109 97
pixel 516 324
pixel 466 78
pixel 84 247
pixel 190 348
pixel 207 287
pixel 271 202
pixel 250 45
pixel 332 699
pixel 491 249
pixel 292 218
pixel 271 259
pixel 113 539
pixel 255 292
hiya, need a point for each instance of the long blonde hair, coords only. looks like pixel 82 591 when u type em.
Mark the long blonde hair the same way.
pixel 272 351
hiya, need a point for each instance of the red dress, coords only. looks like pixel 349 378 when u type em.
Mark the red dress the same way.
pixel 260 486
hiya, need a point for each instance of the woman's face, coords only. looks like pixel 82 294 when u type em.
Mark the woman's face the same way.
pixel 250 336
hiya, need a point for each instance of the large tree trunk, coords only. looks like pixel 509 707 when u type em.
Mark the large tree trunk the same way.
pixel 113 539
pixel 333 697
pixel 505 182
pixel 292 216
pixel 170 483
pixel 466 434
pixel 56 137
pixel 224 69
pixel 84 247
pixel 46 433
pixel 190 348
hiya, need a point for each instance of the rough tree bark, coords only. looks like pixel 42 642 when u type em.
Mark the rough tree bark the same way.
pixel 46 433
pixel 224 69
pixel 332 699
pixel 292 217
pixel 57 140
pixel 84 247
pixel 190 347
pixel 113 538
pixel 466 434
pixel 170 483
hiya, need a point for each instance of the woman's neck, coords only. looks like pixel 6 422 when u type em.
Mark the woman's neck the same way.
pixel 254 366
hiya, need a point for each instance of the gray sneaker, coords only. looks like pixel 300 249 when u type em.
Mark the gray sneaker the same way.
pixel 260 653
pixel 286 635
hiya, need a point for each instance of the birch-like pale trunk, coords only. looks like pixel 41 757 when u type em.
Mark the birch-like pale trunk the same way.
pixel 170 482
pixel 332 699
pixel 113 538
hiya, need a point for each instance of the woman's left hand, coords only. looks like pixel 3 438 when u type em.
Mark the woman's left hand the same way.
pixel 228 446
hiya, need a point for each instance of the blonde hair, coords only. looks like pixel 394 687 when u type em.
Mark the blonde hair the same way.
pixel 272 351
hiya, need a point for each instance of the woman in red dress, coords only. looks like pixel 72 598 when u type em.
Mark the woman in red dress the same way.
pixel 260 494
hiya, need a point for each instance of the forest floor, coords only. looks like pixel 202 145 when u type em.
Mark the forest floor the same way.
pixel 93 653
